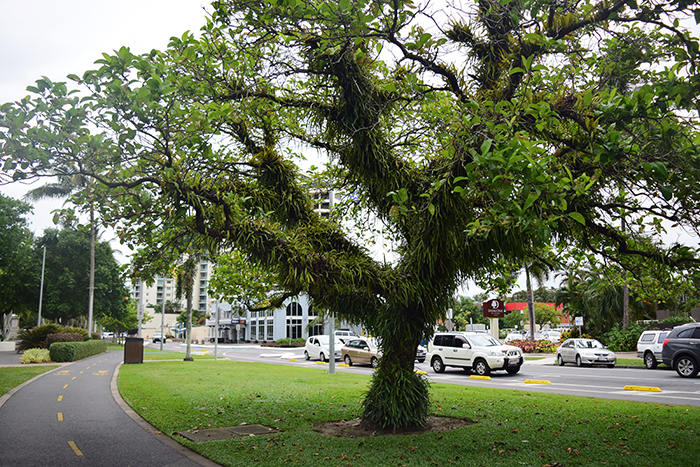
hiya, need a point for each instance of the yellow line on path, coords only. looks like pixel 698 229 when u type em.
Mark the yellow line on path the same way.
pixel 479 377
pixel 60 398
pixel 81 372
pixel 64 387
pixel 60 416
pixel 642 388
pixel 75 448
pixel 74 377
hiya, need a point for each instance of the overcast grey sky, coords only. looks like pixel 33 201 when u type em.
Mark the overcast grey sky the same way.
pixel 54 38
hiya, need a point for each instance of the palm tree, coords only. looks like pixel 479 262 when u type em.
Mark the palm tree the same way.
pixel 63 188
pixel 184 286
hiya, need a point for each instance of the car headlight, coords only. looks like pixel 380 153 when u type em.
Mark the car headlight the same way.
pixel 496 353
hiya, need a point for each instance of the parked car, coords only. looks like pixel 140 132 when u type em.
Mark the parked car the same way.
pixel 318 348
pixel 513 336
pixel 585 352
pixel 157 337
pixel 552 335
pixel 362 350
pixel 421 354
pixel 472 351
pixel 649 347
pixel 345 336
pixel 681 350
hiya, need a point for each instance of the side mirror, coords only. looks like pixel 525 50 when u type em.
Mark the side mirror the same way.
pixel 365 348
pixel 466 346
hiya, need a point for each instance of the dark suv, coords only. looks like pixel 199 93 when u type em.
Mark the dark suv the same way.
pixel 682 350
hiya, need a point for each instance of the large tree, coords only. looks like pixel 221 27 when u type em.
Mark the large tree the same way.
pixel 67 277
pixel 19 268
pixel 471 135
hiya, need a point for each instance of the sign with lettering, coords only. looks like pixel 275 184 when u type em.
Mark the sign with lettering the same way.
pixel 494 308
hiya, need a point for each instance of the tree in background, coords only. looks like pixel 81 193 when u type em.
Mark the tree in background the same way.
pixel 465 311
pixel 67 277
pixel 507 128
pixel 66 185
pixel 19 268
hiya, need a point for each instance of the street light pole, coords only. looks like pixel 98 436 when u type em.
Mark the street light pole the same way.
pixel 41 287
pixel 162 319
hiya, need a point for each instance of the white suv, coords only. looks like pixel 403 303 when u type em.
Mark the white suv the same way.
pixel 475 351
pixel 649 347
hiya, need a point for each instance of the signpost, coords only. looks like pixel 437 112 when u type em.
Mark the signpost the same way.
pixel 494 309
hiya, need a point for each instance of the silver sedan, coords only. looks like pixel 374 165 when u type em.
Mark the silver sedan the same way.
pixel 585 352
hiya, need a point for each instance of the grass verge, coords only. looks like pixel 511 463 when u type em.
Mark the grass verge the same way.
pixel 513 427
pixel 11 377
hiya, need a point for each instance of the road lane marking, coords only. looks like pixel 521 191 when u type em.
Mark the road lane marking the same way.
pixel 60 398
pixel 479 377
pixel 81 373
pixel 101 373
pixel 75 448
pixel 62 373
pixel 74 377
pixel 642 388
pixel 64 387
pixel 60 416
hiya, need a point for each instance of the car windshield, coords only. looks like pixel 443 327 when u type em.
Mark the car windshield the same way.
pixel 589 344
pixel 325 340
pixel 484 340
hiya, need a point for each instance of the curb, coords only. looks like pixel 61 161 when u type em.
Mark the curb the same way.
pixel 163 438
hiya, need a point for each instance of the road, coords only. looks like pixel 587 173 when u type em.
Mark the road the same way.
pixel 595 382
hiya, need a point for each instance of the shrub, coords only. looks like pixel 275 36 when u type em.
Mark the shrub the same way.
pixel 298 340
pixel 72 351
pixel 678 319
pixel 63 337
pixel 35 338
pixel 540 346
pixel 35 356
pixel 81 331
pixel 619 340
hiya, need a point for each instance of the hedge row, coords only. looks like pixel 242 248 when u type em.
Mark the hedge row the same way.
pixel 64 337
pixel 72 351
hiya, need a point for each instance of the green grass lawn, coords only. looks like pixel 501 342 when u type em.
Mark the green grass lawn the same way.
pixel 11 377
pixel 512 428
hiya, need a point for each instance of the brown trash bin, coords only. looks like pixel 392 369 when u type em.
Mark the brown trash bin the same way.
pixel 133 350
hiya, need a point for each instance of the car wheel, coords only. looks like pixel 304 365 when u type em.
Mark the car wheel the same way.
pixel 686 367
pixel 650 361
pixel 560 360
pixel 438 366
pixel 512 370
pixel 322 357
pixel 374 362
pixel 306 355
pixel 347 360
pixel 481 368
pixel 579 363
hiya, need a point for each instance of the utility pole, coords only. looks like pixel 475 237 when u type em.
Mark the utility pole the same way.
pixel 41 287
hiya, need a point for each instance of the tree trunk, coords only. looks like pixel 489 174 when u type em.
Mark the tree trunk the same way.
pixel 188 337
pixel 530 304
pixel 398 397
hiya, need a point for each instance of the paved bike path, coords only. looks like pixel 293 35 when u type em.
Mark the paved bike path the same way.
pixel 69 417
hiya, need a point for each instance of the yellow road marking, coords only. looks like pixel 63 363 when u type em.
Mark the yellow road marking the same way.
pixel 292 359
pixel 81 373
pixel 479 377
pixel 60 398
pixel 64 387
pixel 642 388
pixel 75 448
pixel 537 381
pixel 63 373
pixel 343 364
pixel 101 373
pixel 74 377
pixel 60 416
pixel 419 372
pixel 320 362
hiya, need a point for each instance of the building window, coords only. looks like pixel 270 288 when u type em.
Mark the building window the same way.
pixel 294 309
pixel 204 267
